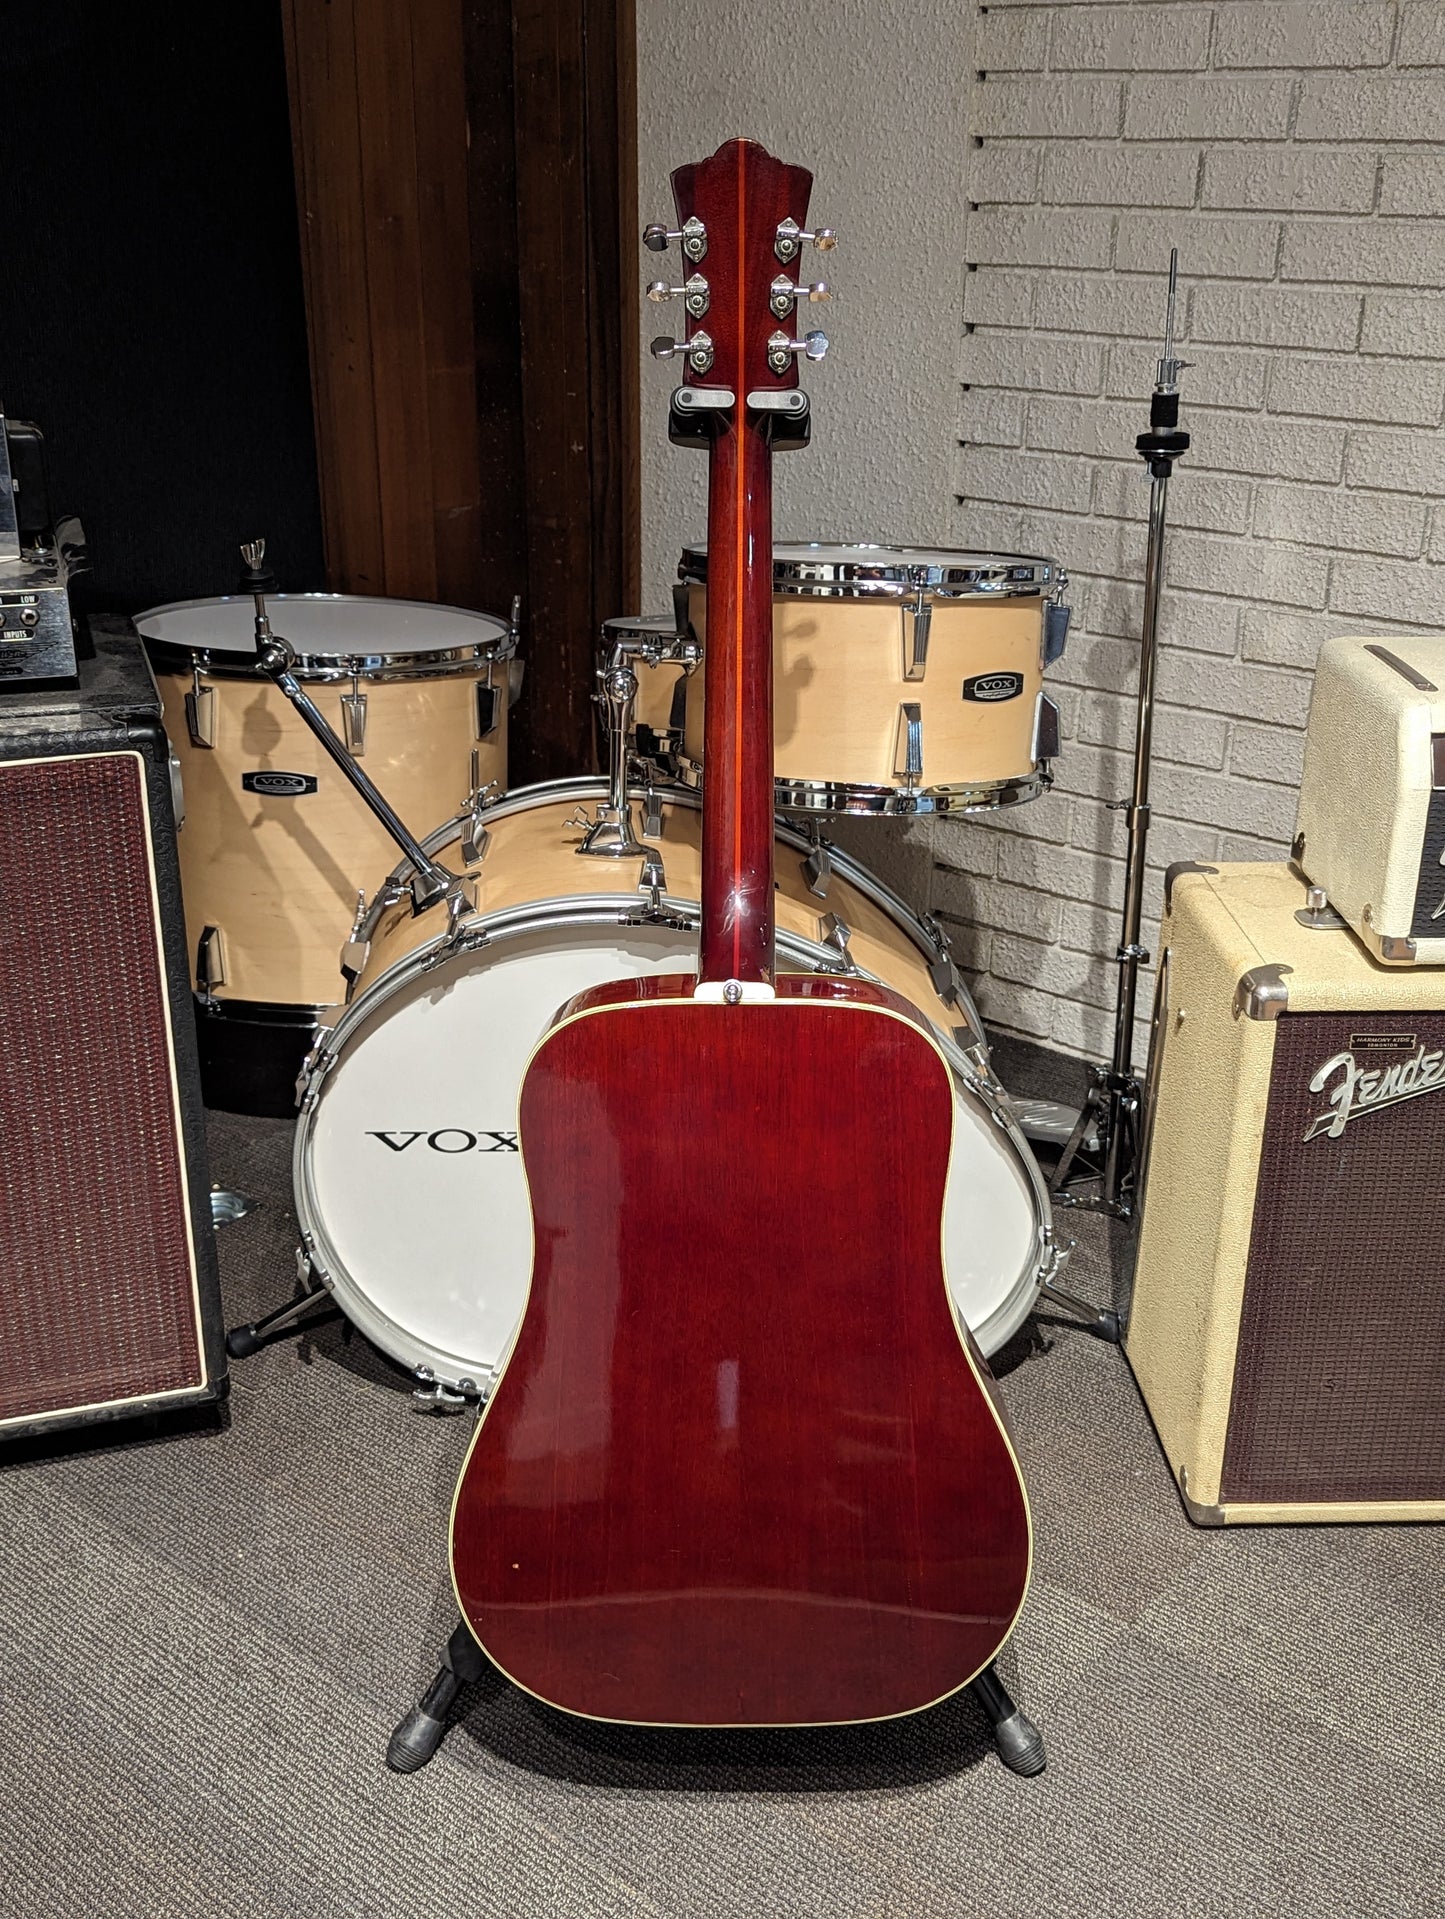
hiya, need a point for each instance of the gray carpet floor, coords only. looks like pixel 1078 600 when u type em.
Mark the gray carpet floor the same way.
pixel 208 1636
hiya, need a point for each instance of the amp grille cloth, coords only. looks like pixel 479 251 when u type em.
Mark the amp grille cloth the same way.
pixel 1339 1384
pixel 97 1289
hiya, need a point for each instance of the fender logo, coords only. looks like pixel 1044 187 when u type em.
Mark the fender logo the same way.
pixel 1358 1092
pixel 451 1139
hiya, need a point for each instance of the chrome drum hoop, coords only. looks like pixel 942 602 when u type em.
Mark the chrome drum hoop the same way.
pixel 378 664
pixel 824 796
pixel 819 569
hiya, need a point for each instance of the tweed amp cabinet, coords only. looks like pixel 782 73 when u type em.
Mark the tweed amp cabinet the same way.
pixel 1288 1322
pixel 1371 823
pixel 109 1303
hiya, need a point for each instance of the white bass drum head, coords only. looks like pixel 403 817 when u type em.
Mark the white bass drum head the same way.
pixel 410 1186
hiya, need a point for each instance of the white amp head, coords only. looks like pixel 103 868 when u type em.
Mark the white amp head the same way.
pixel 1371 823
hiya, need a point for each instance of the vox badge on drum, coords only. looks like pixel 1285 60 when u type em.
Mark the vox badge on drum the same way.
pixel 470 1142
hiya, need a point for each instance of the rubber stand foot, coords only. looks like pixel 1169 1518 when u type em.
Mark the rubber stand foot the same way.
pixel 1111 1328
pixel 1020 1745
pixel 242 1341
pixel 415 1741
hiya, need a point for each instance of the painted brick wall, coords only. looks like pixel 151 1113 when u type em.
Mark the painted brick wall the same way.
pixel 1290 150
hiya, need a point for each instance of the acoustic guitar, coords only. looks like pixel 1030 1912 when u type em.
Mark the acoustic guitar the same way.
pixel 742 1465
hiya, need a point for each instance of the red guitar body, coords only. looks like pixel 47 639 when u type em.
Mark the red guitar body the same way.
pixel 740 1469
pixel 742 1466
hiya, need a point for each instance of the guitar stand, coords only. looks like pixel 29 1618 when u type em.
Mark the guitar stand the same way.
pixel 1016 1738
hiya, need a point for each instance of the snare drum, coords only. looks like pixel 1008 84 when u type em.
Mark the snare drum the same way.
pixel 905 679
pixel 276 843
pixel 408 1182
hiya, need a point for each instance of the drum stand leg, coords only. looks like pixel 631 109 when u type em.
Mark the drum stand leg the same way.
pixel 242 1341
pixel 417 1737
pixel 1019 1743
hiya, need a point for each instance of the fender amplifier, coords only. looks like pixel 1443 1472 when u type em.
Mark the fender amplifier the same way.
pixel 109 1304
pixel 1371 823
pixel 1288 1321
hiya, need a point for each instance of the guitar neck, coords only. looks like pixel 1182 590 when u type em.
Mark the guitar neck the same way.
pixel 741 226
pixel 737 824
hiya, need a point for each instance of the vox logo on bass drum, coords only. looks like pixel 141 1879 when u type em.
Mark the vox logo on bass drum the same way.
pixel 450 1139
pixel 993 686
pixel 278 785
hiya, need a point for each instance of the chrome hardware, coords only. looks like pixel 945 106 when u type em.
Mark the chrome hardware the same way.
pixel 201 711
pixel 836 933
pixel 651 814
pixel 1177 872
pixel 1056 622
pixel 1261 992
pixel 612 834
pixel 944 975
pixel 433 1395
pixel 1393 947
pixel 653 877
pixel 711 399
pixel 791 238
pixel 1317 913
pixel 353 723
pixel 915 644
pixel 210 960
pixel 694 294
pixel 489 709
pixel 908 746
pixel 778 400
pixel 781 349
pixel 178 790
pixel 733 992
pixel 355 952
pixel 1170 368
pixel 784 294
pixel 1046 743
pixel 227 1207
pixel 818 869
pixel 475 837
pixel 692 233
pixel 698 351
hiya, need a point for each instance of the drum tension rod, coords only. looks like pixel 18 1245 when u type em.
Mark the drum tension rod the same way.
pixel 275 658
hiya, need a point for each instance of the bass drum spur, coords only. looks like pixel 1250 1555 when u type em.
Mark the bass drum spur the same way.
pixel 408 1180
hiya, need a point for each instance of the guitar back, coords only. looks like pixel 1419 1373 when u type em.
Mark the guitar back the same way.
pixel 741 1467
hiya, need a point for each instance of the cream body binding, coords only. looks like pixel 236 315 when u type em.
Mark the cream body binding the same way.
pixel 838 684
pixel 415 1211
pixel 279 876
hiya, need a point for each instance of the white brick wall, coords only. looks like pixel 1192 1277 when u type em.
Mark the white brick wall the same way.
pixel 1287 148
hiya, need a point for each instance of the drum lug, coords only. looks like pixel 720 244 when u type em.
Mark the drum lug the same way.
pixel 908 746
pixel 311 1275
pixel 836 933
pixel 915 643
pixel 314 1068
pixel 201 711
pixel 210 961
pixel 357 950
pixel 489 709
pixel 353 722
pixel 651 814
pixel 818 869
pixel 941 968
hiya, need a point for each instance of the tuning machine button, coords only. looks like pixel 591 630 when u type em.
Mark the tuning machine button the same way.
pixel 698 351
pixel 783 294
pixel 791 238
pixel 693 293
pixel 692 233
pixel 781 349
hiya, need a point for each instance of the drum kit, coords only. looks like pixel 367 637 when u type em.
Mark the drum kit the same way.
pixel 411 994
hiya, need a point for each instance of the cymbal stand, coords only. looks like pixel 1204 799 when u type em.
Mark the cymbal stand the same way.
pixel 1102 1152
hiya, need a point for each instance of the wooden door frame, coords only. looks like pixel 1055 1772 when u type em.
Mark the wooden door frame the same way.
pixel 467 181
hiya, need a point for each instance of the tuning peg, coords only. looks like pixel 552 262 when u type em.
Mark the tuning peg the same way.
pixel 783 294
pixel 698 351
pixel 692 233
pixel 790 239
pixel 781 349
pixel 693 292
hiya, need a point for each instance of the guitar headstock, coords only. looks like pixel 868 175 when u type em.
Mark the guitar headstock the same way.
pixel 742 231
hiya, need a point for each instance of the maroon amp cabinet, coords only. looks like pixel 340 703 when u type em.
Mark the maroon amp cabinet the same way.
pixel 109 1301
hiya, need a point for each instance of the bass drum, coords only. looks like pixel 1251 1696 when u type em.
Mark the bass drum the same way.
pixel 408 1179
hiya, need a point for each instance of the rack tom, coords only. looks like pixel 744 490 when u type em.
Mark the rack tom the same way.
pixel 905 679
pixel 276 843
